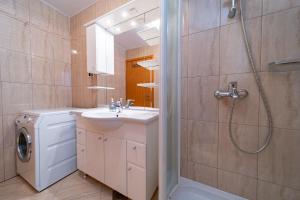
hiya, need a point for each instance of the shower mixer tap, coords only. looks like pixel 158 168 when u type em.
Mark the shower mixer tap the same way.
pixel 232 92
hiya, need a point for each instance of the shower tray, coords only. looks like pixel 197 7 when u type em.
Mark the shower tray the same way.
pixel 191 190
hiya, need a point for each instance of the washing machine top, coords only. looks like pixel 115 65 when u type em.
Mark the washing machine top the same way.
pixel 49 111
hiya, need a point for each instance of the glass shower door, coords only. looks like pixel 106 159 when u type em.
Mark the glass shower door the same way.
pixel 169 98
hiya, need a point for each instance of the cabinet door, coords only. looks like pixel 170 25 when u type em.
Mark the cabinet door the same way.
pixel 95 155
pixel 115 164
pixel 136 182
pixel 81 157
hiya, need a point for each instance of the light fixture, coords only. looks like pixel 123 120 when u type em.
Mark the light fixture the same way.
pixel 74 52
pixel 133 23
pixel 124 14
pixel 108 22
pixel 155 23
pixel 117 29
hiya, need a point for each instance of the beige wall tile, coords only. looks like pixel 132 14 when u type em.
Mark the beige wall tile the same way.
pixel 1 133
pixel 283 92
pixel 203 174
pixel 185 17
pixel 203 142
pixel 251 8
pixel 268 191
pixel 67 51
pixel 9 130
pixel 40 14
pixel 16 8
pixel 15 67
pixel 63 96
pixel 14 34
pixel 184 55
pixel 280 163
pixel 184 167
pixel 40 43
pixel 184 139
pixel 206 10
pixel 280 36
pixel 233 53
pixel 230 158
pixel 9 162
pixel 43 96
pixel 16 97
pixel 59 73
pixel 101 7
pixel 206 45
pixel 184 98
pixel 42 71
pixel 237 184
pixel 246 110
pixel 277 5
pixel 202 105
pixel 1 163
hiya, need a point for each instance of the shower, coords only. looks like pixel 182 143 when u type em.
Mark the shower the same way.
pixel 240 94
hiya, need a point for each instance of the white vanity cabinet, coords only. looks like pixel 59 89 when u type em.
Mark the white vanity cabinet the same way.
pixel 94 155
pixel 125 159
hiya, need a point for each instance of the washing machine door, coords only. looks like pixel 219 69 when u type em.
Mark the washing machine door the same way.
pixel 23 145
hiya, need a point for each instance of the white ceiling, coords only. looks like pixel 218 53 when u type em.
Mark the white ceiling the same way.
pixel 70 7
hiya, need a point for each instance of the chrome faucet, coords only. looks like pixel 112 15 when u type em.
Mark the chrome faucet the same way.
pixel 232 92
pixel 118 106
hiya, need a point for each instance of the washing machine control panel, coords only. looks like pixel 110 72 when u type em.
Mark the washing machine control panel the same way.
pixel 24 119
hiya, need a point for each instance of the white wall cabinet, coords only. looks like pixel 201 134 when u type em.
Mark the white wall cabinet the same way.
pixel 100 50
pixel 125 159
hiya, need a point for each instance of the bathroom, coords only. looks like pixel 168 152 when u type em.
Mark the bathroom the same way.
pixel 215 115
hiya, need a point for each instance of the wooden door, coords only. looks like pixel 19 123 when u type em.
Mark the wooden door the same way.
pixel 136 74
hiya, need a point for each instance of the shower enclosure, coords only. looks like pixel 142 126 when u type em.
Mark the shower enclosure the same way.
pixel 214 148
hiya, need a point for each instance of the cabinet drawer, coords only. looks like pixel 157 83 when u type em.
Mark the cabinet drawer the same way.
pixel 136 182
pixel 81 157
pixel 80 133
pixel 136 153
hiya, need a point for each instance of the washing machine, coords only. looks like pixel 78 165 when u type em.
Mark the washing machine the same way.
pixel 46 146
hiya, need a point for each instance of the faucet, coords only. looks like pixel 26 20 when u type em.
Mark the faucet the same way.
pixel 232 92
pixel 118 106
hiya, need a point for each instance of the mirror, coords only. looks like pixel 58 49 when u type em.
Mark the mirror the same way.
pixel 136 30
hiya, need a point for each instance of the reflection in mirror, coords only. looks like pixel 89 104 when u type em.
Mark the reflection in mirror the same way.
pixel 136 30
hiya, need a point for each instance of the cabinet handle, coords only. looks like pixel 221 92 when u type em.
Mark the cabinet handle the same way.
pixel 100 138
pixel 105 139
pixel 134 148
pixel 129 169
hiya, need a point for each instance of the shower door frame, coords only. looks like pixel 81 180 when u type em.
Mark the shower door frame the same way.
pixel 170 97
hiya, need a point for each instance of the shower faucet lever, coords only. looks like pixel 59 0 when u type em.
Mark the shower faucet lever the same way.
pixel 232 91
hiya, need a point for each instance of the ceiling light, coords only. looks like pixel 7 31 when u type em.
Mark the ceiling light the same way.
pixel 124 14
pixel 133 23
pixel 118 29
pixel 108 22
pixel 155 23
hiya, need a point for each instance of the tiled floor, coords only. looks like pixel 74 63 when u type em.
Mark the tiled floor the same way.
pixel 73 187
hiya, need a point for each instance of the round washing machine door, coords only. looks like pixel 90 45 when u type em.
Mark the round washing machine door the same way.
pixel 23 145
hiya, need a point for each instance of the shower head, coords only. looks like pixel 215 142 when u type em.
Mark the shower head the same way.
pixel 232 11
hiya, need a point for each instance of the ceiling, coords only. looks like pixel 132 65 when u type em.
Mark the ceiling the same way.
pixel 70 7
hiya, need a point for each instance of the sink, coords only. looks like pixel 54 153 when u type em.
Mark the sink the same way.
pixel 106 120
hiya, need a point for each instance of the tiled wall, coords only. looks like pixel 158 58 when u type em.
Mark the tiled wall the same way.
pixel 83 97
pixel 213 55
pixel 35 67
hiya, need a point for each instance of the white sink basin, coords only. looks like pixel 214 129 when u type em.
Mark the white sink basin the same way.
pixel 106 120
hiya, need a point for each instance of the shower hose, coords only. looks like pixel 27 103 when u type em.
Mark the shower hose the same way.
pixel 261 91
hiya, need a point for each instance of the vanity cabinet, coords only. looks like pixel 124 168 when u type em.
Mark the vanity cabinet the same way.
pixel 94 155
pixel 115 163
pixel 125 159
